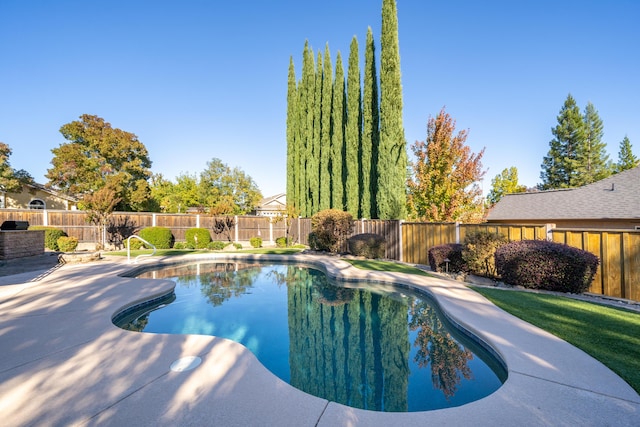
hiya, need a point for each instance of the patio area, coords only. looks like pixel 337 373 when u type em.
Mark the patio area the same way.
pixel 63 362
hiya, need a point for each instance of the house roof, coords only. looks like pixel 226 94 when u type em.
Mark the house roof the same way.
pixel 272 201
pixel 53 192
pixel 615 197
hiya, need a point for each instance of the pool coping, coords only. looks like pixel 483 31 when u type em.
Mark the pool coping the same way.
pixel 55 370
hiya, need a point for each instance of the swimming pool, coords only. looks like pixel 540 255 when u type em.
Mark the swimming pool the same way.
pixel 365 345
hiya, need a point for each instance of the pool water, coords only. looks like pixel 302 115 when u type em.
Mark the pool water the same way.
pixel 365 345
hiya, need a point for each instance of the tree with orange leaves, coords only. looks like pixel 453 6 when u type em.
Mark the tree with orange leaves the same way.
pixel 444 184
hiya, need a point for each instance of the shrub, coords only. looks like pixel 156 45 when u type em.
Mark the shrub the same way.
pixel 179 245
pixel 479 248
pixel 256 242
pixel 135 244
pixel 67 244
pixel 199 238
pixel 160 237
pixel 216 245
pixel 368 245
pixel 452 252
pixel 329 229
pixel 237 245
pixel 282 242
pixel 51 236
pixel 551 266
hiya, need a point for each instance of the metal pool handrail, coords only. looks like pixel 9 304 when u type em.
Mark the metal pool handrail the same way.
pixel 141 255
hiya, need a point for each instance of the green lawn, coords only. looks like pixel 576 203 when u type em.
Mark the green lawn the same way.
pixel 395 267
pixel 609 334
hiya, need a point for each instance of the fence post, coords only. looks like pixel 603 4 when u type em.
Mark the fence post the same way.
pixel 235 220
pixel 550 228
pixel 197 220
pixel 457 232
pixel 45 217
pixel 400 243
pixel 270 231
pixel 153 220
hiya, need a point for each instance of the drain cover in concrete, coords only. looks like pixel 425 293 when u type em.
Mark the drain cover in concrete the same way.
pixel 186 364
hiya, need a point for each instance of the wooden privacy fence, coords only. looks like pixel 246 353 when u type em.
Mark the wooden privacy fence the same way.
pixel 619 253
pixel 419 237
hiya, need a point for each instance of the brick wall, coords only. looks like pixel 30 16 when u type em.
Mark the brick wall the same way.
pixel 19 244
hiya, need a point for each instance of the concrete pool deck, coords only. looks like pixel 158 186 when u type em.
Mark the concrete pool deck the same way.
pixel 63 362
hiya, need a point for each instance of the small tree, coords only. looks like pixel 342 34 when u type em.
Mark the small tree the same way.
pixel 287 215
pixel 503 184
pixel 99 206
pixel 118 230
pixel 444 186
pixel 479 250
pixel 626 158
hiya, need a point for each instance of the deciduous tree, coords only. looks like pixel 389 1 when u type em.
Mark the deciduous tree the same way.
pixel 504 183
pixel 444 186
pixel 98 155
pixel 10 179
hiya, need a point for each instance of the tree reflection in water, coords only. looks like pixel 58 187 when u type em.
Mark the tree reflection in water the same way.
pixel 448 359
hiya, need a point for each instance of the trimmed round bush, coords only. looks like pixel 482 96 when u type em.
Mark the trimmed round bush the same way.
pixel 198 238
pixel 452 252
pixel 179 245
pixel 51 236
pixel 160 237
pixel 67 244
pixel 281 242
pixel 329 229
pixel 368 245
pixel 540 264
pixel 256 242
pixel 216 245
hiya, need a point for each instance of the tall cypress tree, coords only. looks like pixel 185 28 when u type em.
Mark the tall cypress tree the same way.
pixel 392 159
pixel 337 138
pixel 592 159
pixel 306 92
pixel 314 167
pixel 353 131
pixel 370 132
pixel 293 161
pixel 559 166
pixel 325 137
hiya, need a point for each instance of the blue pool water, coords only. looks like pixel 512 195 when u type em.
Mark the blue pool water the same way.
pixel 365 345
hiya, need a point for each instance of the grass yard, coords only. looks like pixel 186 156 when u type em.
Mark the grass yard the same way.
pixel 366 264
pixel 609 334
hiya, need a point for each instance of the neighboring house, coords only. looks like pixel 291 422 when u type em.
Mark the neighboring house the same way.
pixel 612 203
pixel 37 196
pixel 272 206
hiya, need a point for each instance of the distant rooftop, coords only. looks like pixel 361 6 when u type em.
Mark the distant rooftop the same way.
pixel 615 197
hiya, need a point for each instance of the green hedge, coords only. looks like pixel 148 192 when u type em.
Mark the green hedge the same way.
pixel 51 236
pixel 368 245
pixel 160 237
pixel 198 238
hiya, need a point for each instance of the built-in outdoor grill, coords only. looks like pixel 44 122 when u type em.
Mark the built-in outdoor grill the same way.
pixel 14 225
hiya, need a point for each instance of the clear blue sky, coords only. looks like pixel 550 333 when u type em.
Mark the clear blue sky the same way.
pixel 201 79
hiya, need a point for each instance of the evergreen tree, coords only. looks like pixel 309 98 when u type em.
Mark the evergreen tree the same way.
pixel 325 137
pixel 626 159
pixel 314 167
pixel 392 160
pixel 353 131
pixel 504 183
pixel 337 138
pixel 293 161
pixel 307 94
pixel 370 132
pixel 560 165
pixel 592 159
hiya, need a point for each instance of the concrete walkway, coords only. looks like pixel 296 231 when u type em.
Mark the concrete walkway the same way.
pixel 62 362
